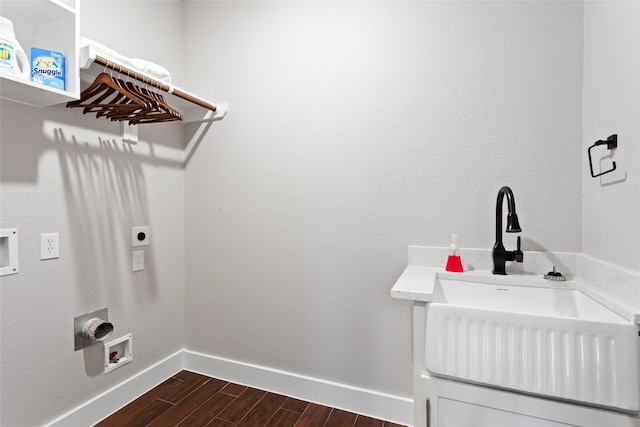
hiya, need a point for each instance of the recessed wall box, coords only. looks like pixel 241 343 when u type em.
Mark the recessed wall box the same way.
pixel 117 353
pixel 8 251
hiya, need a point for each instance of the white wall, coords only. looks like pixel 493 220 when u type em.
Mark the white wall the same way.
pixel 356 129
pixel 62 171
pixel 612 105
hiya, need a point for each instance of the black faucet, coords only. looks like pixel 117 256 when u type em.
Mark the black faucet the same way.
pixel 500 255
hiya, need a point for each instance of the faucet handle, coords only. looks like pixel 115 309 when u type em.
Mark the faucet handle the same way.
pixel 519 254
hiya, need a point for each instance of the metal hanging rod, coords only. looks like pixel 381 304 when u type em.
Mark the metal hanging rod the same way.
pixel 163 86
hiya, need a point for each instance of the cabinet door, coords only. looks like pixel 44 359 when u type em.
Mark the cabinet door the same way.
pixel 455 413
pixel 458 404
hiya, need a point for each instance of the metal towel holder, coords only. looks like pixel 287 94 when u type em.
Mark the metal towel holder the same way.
pixel 611 142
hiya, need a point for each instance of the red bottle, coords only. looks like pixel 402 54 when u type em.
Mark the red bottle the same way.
pixel 453 262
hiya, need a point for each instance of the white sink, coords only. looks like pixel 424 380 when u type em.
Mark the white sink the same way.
pixel 551 342
pixel 525 299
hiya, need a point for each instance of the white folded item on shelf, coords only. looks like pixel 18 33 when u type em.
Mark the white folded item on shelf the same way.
pixel 146 67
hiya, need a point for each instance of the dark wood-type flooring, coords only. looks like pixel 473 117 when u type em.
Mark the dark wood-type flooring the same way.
pixel 189 399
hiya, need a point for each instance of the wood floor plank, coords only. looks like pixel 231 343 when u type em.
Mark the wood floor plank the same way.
pixel 283 418
pixel 314 416
pixel 363 421
pixel 201 400
pixel 147 415
pixel 234 389
pixel 263 411
pixel 186 387
pixel 217 422
pixel 117 418
pixel 339 417
pixel 208 410
pixel 295 405
pixel 185 375
pixel 243 404
pixel 185 407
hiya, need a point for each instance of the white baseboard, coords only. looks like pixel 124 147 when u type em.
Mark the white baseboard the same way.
pixel 353 399
pixel 115 398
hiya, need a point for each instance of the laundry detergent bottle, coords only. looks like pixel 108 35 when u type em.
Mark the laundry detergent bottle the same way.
pixel 13 60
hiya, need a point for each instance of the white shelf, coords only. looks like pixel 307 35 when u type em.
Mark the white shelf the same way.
pixel 28 92
pixel 192 107
pixel 54 25
pixel 46 24
pixel 38 11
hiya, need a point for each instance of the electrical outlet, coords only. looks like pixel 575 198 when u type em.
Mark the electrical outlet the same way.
pixel 140 236
pixel 49 246
pixel 137 261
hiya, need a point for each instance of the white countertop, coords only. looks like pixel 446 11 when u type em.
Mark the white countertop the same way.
pixel 417 283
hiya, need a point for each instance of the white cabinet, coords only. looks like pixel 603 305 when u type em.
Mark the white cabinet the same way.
pixel 455 404
pixel 440 402
pixel 46 24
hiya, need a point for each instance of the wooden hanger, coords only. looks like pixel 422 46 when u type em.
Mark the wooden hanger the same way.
pixel 159 110
pixel 149 103
pixel 103 87
pixel 117 99
pixel 125 109
pixel 162 113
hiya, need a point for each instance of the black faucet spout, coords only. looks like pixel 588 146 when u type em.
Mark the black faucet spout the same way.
pixel 499 253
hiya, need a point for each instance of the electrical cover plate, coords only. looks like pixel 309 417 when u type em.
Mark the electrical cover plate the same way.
pixel 49 246
pixel 137 261
pixel 140 236
pixel 8 251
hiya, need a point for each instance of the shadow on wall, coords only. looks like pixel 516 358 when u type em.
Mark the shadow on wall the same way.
pixel 72 172
pixel 28 133
pixel 194 134
pixel 105 192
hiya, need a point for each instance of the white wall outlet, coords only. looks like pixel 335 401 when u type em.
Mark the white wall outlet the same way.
pixel 137 261
pixel 140 236
pixel 49 246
